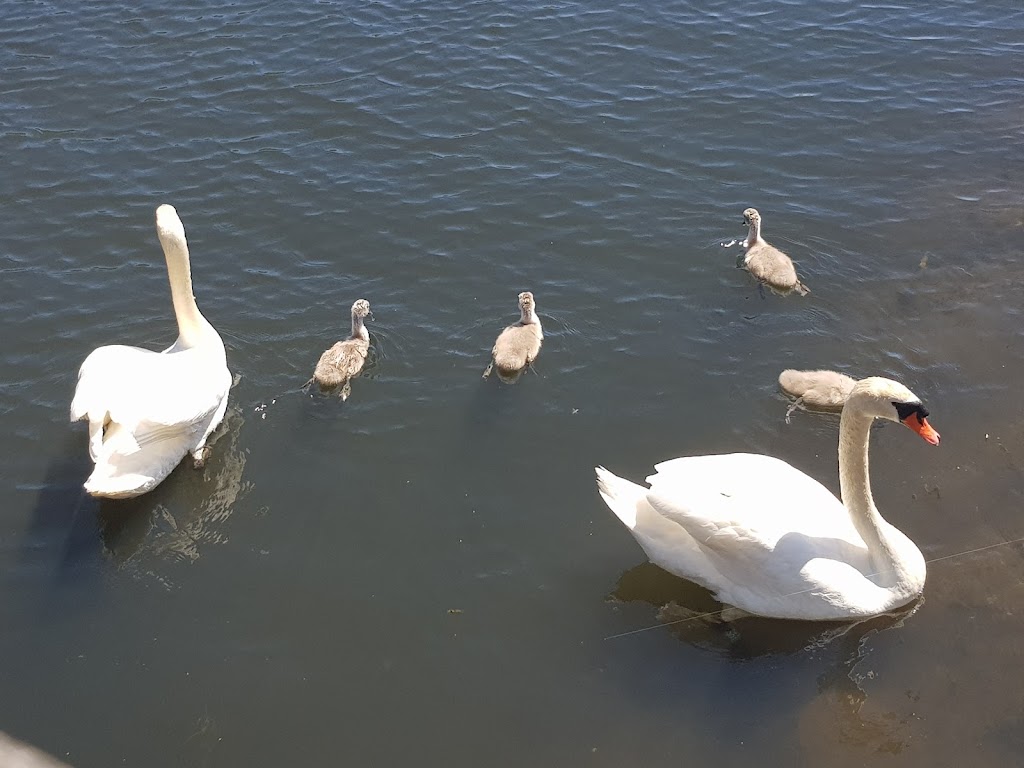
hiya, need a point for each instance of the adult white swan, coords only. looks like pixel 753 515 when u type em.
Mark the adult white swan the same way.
pixel 147 409
pixel 771 541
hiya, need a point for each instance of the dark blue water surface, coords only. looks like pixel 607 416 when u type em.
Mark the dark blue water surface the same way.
pixel 425 574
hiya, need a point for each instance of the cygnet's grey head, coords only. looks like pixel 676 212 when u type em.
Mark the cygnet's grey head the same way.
pixel 526 302
pixel 361 308
pixel 751 216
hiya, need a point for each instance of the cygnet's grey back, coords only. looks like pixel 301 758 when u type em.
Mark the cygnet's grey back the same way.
pixel 519 344
pixel 346 358
pixel 766 262
pixel 827 390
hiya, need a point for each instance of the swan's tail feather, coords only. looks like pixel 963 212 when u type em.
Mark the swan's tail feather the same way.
pixel 130 463
pixel 620 495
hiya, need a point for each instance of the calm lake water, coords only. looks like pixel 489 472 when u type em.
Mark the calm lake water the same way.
pixel 425 574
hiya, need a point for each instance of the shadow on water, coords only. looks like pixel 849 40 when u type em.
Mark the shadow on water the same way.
pixel 491 401
pixel 836 712
pixel 63 513
pixel 692 615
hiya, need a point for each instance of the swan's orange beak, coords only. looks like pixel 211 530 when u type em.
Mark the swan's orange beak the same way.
pixel 922 427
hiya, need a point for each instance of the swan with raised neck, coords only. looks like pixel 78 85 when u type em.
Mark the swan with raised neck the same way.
pixel 768 539
pixel 147 409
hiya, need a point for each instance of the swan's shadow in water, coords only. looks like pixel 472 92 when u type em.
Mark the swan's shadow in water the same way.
pixel 62 516
pixel 837 710
pixel 693 615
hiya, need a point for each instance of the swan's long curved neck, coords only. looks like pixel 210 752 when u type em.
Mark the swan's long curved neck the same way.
pixel 855 488
pixel 754 234
pixel 358 329
pixel 192 326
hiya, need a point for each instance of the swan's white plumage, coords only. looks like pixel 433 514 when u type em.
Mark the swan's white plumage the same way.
pixel 767 538
pixel 147 409
pixel 709 519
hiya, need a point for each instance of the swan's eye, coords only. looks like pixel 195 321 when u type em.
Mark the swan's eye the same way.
pixel 905 410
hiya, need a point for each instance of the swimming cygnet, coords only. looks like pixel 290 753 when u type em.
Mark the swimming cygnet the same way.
pixel 342 362
pixel 519 344
pixel 767 263
pixel 822 390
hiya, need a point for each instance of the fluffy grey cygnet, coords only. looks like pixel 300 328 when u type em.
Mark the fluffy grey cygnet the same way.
pixel 519 344
pixel 342 362
pixel 821 390
pixel 767 263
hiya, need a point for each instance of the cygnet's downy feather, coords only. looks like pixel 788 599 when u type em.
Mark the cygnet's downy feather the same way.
pixel 519 344
pixel 820 390
pixel 343 362
pixel 767 263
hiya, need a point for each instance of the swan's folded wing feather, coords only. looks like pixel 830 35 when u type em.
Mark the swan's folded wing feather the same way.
pixel 757 492
pixel 764 567
pixel 133 461
pixel 97 377
pixel 745 559
pixel 714 526
pixel 136 386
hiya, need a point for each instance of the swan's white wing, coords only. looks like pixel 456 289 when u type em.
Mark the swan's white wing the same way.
pixel 777 537
pixel 666 543
pixel 136 386
pixel 792 576
pixel 761 495
pixel 795 575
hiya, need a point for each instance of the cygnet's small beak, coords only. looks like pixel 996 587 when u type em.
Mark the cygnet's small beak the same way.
pixel 369 316
pixel 922 427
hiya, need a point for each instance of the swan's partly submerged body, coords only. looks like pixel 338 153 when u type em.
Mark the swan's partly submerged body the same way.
pixel 147 409
pixel 341 363
pixel 768 539
pixel 818 390
pixel 519 344
pixel 765 262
